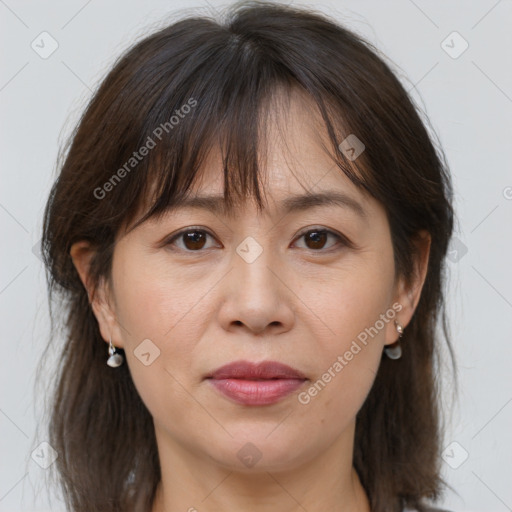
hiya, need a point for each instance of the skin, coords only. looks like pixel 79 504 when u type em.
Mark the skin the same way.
pixel 298 303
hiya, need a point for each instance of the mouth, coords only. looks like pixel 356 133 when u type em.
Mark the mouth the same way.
pixel 262 383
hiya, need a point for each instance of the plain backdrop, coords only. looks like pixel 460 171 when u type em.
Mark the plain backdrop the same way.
pixel 454 57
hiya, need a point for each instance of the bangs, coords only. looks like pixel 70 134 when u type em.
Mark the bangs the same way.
pixel 220 96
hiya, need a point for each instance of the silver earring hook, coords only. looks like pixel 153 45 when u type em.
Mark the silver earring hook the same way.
pixel 394 351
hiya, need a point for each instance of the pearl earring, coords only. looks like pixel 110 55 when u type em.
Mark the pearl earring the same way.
pixel 115 359
pixel 394 351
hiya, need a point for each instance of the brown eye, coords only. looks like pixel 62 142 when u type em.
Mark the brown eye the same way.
pixel 192 240
pixel 316 239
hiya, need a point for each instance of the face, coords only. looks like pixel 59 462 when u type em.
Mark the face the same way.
pixel 313 288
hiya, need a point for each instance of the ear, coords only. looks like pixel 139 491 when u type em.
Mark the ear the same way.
pixel 407 294
pixel 81 254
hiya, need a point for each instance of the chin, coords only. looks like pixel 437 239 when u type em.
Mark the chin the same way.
pixel 255 450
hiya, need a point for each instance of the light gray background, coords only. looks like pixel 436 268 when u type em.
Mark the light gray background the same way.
pixel 469 102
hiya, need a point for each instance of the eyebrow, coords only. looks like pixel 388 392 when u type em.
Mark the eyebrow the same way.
pixel 291 204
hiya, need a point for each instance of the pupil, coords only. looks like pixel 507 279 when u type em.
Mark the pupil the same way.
pixel 194 237
pixel 318 239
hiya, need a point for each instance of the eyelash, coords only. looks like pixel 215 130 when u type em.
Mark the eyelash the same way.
pixel 343 241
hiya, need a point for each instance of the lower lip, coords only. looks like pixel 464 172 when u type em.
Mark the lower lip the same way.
pixel 256 392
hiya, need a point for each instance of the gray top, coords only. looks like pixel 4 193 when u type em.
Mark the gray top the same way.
pixel 429 509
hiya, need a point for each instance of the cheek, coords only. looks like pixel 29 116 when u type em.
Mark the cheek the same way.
pixel 352 298
pixel 351 335
pixel 155 302
pixel 346 370
pixel 155 309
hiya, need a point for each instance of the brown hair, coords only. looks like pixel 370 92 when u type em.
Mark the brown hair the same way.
pixel 224 72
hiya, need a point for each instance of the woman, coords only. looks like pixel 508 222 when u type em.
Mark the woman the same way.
pixel 249 231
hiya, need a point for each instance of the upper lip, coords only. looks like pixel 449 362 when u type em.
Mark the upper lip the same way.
pixel 252 371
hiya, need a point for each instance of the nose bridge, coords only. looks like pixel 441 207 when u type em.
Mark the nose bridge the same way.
pixel 256 296
pixel 254 279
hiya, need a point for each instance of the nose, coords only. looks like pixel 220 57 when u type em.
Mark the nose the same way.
pixel 257 298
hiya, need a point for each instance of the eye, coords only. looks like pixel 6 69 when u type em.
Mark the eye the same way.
pixel 316 238
pixel 193 239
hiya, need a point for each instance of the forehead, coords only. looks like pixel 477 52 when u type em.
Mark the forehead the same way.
pixel 297 156
pixel 294 154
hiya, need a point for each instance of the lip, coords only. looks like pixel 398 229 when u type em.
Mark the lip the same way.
pixel 261 383
pixel 254 371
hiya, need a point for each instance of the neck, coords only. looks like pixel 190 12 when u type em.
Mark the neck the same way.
pixel 191 483
pixel 266 496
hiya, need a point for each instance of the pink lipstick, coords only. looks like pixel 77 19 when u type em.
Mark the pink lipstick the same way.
pixel 262 383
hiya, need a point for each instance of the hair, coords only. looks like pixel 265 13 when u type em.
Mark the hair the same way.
pixel 201 83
